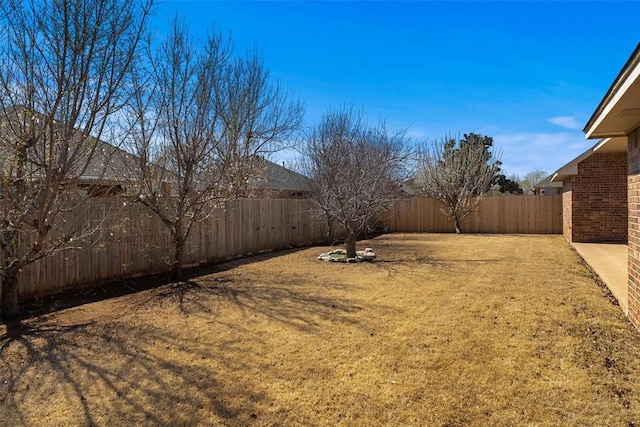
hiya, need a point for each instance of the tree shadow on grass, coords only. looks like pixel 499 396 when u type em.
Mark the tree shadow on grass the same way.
pixel 90 374
pixel 111 371
pixel 303 309
pixel 117 288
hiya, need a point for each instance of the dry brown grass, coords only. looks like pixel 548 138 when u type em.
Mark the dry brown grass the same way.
pixel 441 330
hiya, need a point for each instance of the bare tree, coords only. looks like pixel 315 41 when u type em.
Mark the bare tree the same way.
pixel 355 170
pixel 458 173
pixel 531 179
pixel 257 117
pixel 199 118
pixel 63 71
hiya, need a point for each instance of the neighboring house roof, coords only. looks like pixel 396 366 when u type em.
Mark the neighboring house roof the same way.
pixel 105 163
pixel 100 161
pixel 271 176
pixel 110 163
pixel 607 145
pixel 547 183
pixel 410 187
pixel 619 111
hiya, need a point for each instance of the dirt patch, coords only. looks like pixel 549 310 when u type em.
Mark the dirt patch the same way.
pixel 439 330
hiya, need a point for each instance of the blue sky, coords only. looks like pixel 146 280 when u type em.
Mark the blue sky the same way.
pixel 529 74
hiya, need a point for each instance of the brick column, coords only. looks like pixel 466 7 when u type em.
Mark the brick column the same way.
pixel 567 209
pixel 633 196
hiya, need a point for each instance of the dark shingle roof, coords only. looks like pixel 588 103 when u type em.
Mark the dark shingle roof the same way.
pixel 271 176
pixel 97 160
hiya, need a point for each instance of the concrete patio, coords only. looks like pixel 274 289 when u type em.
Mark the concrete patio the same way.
pixel 609 261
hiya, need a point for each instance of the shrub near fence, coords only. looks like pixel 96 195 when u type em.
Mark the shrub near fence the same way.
pixel 130 241
pixel 495 214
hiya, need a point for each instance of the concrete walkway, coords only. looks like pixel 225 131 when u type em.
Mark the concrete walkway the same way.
pixel 609 261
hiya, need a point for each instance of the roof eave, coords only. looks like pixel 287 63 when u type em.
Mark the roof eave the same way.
pixel 558 178
pixel 629 75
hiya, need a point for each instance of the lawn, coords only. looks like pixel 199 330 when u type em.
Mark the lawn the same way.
pixel 441 330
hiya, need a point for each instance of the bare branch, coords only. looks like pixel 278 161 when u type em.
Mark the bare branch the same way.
pixel 457 173
pixel 199 119
pixel 355 170
pixel 63 75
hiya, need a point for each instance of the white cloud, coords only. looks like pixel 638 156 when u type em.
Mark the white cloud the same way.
pixel 567 122
pixel 417 134
pixel 525 152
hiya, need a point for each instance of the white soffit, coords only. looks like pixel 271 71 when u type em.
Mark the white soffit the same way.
pixel 619 110
pixel 613 101
pixel 611 145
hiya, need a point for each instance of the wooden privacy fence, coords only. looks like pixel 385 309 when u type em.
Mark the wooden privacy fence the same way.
pixel 495 214
pixel 130 241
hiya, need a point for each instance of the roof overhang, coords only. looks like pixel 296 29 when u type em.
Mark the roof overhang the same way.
pixel 611 145
pixel 619 111
pixel 547 183
pixel 606 145
pixel 571 168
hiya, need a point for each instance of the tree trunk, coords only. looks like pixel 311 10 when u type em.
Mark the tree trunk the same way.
pixel 178 255
pixel 456 223
pixel 9 308
pixel 351 245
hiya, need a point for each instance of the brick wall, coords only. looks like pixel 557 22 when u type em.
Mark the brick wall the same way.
pixel 633 182
pixel 567 208
pixel 599 199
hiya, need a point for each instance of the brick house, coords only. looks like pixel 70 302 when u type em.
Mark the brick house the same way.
pixel 546 187
pixel 594 193
pixel 618 115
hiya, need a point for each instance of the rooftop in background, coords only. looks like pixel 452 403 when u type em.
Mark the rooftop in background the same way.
pixel 269 177
pixel 547 183
pixel 98 161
